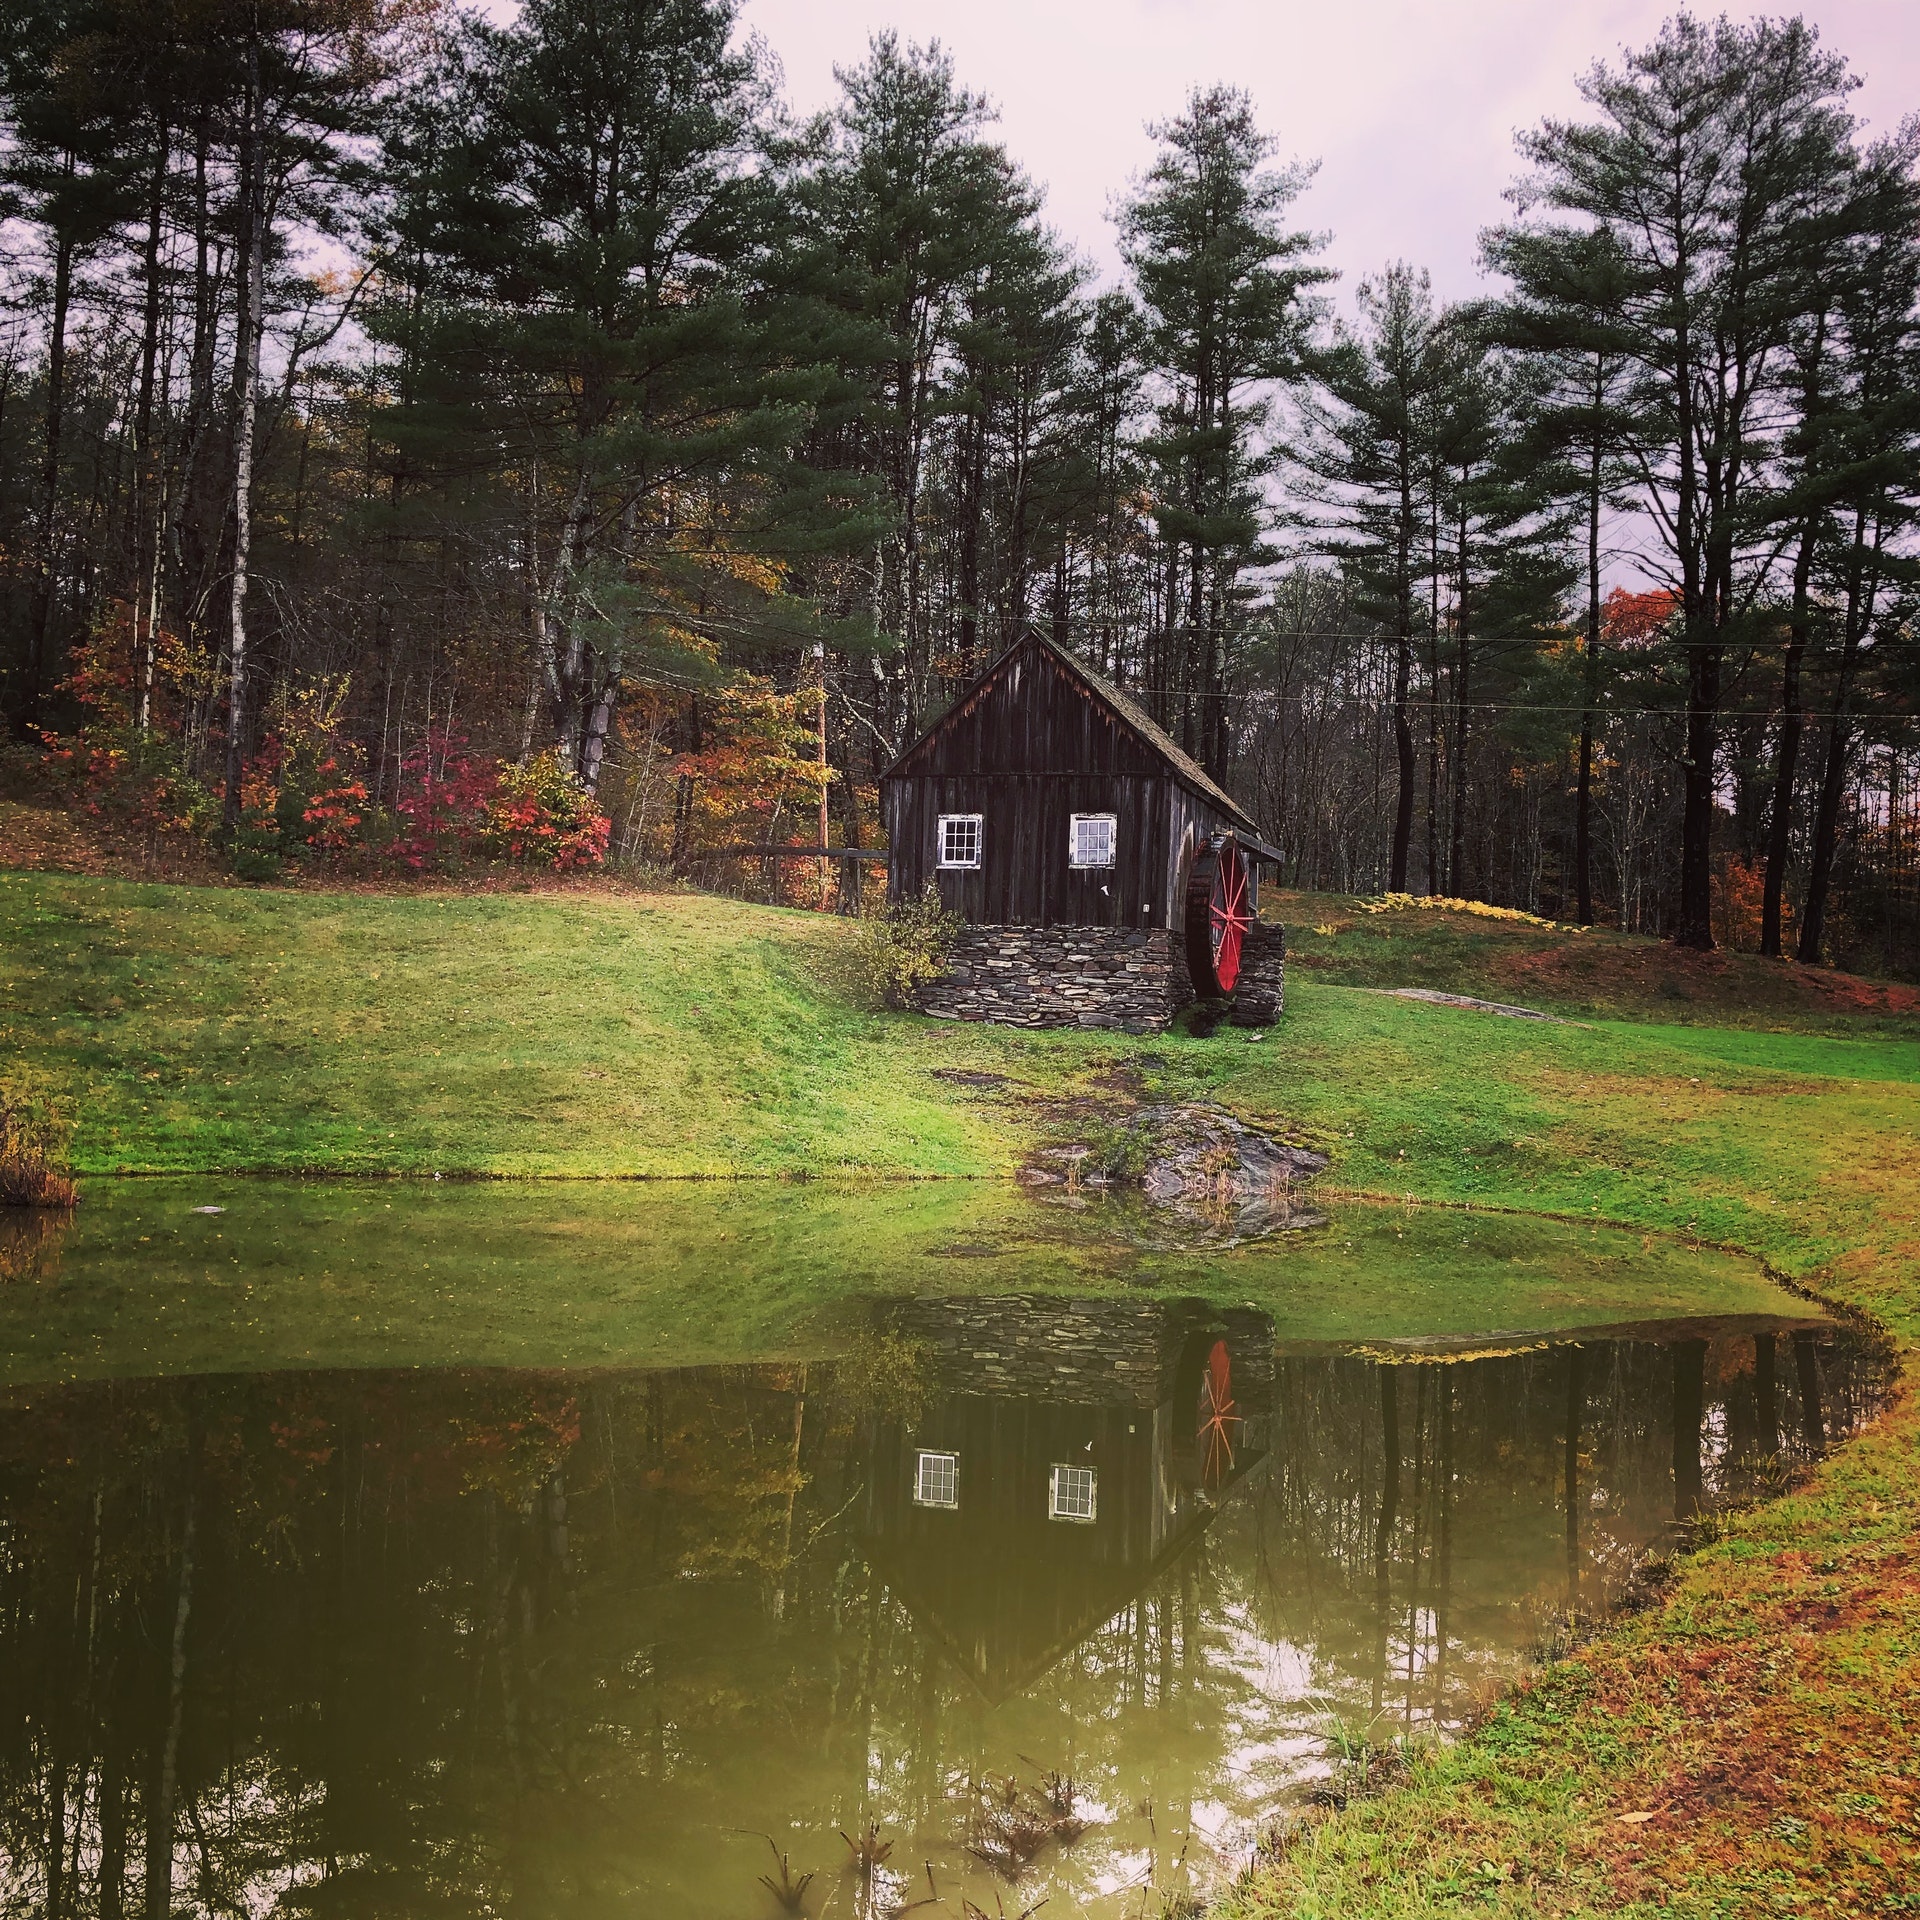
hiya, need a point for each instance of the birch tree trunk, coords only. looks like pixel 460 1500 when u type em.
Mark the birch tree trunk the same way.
pixel 246 382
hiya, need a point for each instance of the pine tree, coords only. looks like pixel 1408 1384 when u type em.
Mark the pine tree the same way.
pixel 1871 472
pixel 64 171
pixel 1563 315
pixel 1367 450
pixel 1225 290
pixel 1711 151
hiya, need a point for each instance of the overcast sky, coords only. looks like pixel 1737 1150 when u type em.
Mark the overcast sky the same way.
pixel 1410 106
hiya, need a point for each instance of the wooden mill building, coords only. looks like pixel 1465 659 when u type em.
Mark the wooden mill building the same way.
pixel 1102 877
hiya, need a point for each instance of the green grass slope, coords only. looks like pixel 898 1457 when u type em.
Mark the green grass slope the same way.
pixel 576 1033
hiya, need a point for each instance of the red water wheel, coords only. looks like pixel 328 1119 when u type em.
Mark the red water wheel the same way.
pixel 1219 1416
pixel 1219 912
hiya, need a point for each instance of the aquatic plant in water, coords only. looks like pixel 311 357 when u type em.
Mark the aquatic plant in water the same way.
pixel 1010 1823
pixel 790 1891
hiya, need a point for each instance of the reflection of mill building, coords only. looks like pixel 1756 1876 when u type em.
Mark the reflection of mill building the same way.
pixel 1067 1452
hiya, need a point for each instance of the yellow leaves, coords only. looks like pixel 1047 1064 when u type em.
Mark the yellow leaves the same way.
pixel 1435 903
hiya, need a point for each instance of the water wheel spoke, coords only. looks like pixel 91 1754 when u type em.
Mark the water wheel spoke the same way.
pixel 1218 917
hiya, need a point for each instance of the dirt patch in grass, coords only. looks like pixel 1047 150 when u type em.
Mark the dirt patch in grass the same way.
pixel 39 839
pixel 1652 975
pixel 1590 970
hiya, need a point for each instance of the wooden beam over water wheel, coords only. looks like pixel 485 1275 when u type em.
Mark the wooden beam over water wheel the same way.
pixel 1219 912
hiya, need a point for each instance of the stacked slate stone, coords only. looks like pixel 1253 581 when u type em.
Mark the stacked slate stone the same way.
pixel 1260 993
pixel 1130 979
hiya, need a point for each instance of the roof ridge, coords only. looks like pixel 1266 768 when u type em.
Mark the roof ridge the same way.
pixel 1143 723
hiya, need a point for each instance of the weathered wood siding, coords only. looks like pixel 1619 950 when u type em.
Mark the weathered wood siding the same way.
pixel 1026 751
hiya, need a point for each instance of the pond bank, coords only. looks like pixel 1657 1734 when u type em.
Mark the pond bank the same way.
pixel 1762 1720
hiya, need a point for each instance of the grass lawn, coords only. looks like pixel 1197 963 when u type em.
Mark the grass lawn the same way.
pixel 1750 1746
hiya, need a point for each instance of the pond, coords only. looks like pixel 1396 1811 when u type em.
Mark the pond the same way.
pixel 648 1551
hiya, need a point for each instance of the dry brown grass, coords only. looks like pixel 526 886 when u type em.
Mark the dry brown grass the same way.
pixel 31 1142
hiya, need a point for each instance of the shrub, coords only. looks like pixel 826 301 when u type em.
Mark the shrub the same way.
pixel 444 797
pixel 112 768
pixel 1739 894
pixel 33 1142
pixel 114 772
pixel 540 815
pixel 302 793
pixel 902 947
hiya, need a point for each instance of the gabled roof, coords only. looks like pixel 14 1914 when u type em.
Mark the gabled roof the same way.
pixel 1122 706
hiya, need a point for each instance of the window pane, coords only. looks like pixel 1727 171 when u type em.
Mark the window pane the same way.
pixel 1093 837
pixel 936 1480
pixel 1071 1496
pixel 960 840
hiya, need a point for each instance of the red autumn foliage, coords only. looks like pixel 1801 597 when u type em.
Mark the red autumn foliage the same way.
pixel 1636 619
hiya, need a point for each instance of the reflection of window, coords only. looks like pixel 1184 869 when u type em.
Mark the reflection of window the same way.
pixel 1070 1497
pixel 960 839
pixel 1091 841
pixel 936 1480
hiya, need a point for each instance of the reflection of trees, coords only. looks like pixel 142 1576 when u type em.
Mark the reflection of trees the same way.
pixel 1414 1522
pixel 466 1640
pixel 30 1241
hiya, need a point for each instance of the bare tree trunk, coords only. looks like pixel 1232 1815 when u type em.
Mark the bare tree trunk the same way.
pixel 146 531
pixel 246 381
pixel 1590 696
pixel 1780 822
pixel 1462 692
pixel 1861 593
pixel 1402 686
pixel 166 1786
pixel 1434 886
pixel 1403 742
pixel 1694 926
pixel 40 634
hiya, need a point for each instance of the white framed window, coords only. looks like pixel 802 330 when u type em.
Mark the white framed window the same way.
pixel 936 1480
pixel 1072 1493
pixel 960 839
pixel 1090 839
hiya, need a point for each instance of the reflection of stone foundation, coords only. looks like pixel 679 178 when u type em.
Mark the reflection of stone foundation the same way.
pixel 1131 978
pixel 1102 1353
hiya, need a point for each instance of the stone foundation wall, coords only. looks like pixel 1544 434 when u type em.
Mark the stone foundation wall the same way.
pixel 1134 979
pixel 1260 993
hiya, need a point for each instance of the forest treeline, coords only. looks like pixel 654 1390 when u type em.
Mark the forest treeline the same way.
pixel 426 438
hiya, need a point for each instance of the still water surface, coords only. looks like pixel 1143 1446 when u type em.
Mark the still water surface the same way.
pixel 612 1639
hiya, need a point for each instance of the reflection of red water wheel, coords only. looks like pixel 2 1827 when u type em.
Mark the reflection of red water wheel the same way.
pixel 1218 1415
pixel 1219 912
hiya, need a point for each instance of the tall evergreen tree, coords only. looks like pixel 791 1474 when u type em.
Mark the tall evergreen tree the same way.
pixel 65 173
pixel 585 330
pixel 1871 463
pixel 1711 153
pixel 1225 289
pixel 904 214
pixel 1367 451
pixel 1563 314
